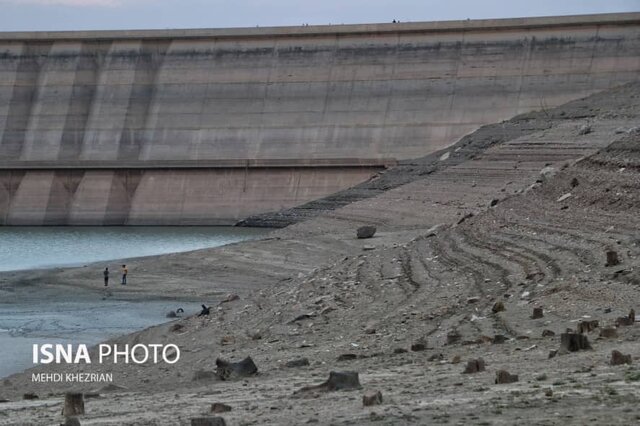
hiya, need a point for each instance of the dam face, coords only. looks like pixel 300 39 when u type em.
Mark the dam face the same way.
pixel 209 126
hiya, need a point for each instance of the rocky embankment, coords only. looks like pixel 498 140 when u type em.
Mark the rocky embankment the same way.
pixel 499 288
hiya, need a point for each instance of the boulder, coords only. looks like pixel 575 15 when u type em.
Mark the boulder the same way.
pixel 366 231
pixel 227 370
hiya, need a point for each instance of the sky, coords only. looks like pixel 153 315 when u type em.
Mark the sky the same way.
pixel 51 15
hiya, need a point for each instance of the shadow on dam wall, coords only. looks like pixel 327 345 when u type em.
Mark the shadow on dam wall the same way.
pixel 210 126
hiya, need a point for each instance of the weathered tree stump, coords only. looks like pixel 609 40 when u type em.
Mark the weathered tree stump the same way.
pixel 71 421
pixel 608 333
pixel 208 421
pixel 587 326
pixel 548 333
pixel 366 231
pixel 73 404
pixel 503 377
pixel 618 358
pixel 453 337
pixel 632 315
pixel 227 370
pixel 338 380
pixel 300 362
pixel 537 313
pixel 498 307
pixel 474 366
pixel 573 342
pixel 219 407
pixel 612 258
pixel 372 398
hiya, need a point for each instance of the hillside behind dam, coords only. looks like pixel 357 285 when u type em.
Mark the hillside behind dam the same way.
pixel 184 127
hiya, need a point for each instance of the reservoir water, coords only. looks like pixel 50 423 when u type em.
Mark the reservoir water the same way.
pixel 30 317
pixel 50 246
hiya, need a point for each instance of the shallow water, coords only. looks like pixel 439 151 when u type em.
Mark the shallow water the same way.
pixel 49 246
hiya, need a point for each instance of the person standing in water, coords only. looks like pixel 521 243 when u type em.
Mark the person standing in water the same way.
pixel 125 271
pixel 106 276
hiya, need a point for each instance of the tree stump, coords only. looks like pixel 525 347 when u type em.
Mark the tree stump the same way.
pixel 498 307
pixel 219 407
pixel 612 258
pixel 503 377
pixel 208 421
pixel 474 366
pixel 338 380
pixel 73 404
pixel 587 326
pixel 618 358
pixel 227 370
pixel 573 342
pixel 537 313
pixel 608 333
pixel 372 398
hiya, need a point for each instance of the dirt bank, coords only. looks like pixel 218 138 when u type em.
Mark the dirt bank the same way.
pixel 525 218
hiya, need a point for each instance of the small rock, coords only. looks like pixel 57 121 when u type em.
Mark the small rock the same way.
pixel 254 335
pixel 30 396
pixel 176 327
pixel 338 380
pixel 418 347
pixel 503 377
pixel 537 313
pixel 219 407
pixel 563 197
pixel 498 307
pixel 585 129
pixel 472 300
pixel 612 258
pixel 171 314
pixel 71 421
pixel 608 333
pixel 400 351
pixel 474 366
pixel 372 398
pixel 301 362
pixel 347 357
pixel 499 339
pixel 435 357
pixel 548 392
pixel 227 340
pixel 553 353
pixel 366 231
pixel 618 358
pixel 230 298
pixel 548 333
pixel 453 337
pixel 227 370
pixel 574 182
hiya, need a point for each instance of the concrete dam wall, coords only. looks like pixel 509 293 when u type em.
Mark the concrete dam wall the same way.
pixel 209 126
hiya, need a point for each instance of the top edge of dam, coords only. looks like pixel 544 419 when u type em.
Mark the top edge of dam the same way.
pixel 522 23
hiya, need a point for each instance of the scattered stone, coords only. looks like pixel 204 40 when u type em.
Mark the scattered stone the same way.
pixel 474 366
pixel 563 197
pixel 302 317
pixel 372 398
pixel 366 231
pixel 612 258
pixel 453 337
pixel 553 353
pixel 230 298
pixel 435 357
pixel 585 129
pixel 229 370
pixel 548 333
pixel 338 380
pixel 400 351
pixel 618 358
pixel 632 315
pixel 219 407
pixel 208 421
pixel 176 327
pixel 608 333
pixel 456 359
pixel 607 310
pixel 73 404
pixel 587 326
pixel 368 248
pixel 573 342
pixel 472 300
pixel 628 320
pixel 71 421
pixel 371 327
pixel 347 357
pixel 30 396
pixel 574 182
pixel 465 217
pixel 254 335
pixel 301 362
pixel 537 313
pixel 548 392
pixel 499 339
pixel 494 202
pixel 620 130
pixel 203 375
pixel 418 347
pixel 498 307
pixel 542 377
pixel 227 340
pixel 503 377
